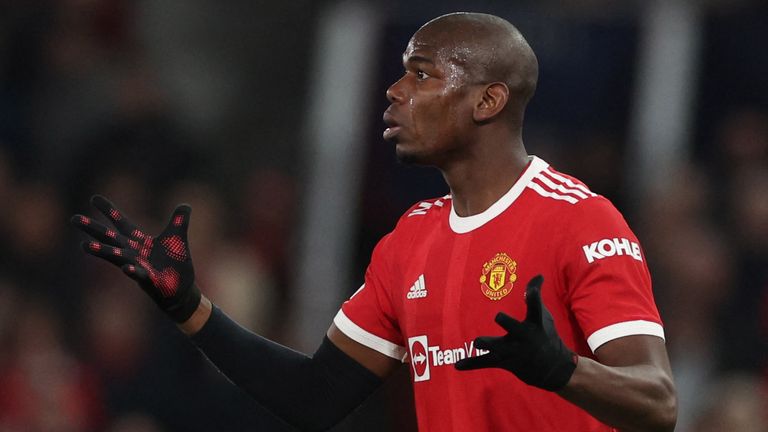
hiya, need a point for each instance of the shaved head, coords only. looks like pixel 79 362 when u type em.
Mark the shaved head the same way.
pixel 485 49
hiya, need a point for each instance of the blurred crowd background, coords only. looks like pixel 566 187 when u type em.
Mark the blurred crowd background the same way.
pixel 210 103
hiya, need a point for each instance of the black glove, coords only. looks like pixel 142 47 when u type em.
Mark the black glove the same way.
pixel 531 349
pixel 161 265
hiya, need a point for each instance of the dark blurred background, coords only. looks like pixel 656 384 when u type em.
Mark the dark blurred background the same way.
pixel 266 118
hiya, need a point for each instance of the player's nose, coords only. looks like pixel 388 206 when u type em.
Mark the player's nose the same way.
pixel 395 92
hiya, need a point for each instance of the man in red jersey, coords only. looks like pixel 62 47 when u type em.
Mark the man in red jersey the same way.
pixel 579 348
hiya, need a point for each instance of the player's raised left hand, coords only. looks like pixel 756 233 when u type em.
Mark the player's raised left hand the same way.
pixel 162 264
pixel 531 349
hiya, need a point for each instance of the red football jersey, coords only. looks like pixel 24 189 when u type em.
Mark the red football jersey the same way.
pixel 437 281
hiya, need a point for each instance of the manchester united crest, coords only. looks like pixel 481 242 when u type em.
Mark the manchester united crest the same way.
pixel 498 276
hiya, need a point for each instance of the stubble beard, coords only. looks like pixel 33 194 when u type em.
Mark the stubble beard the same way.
pixel 410 158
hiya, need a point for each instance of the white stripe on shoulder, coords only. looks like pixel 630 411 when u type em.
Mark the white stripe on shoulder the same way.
pixel 569 182
pixel 559 187
pixel 421 209
pixel 359 335
pixel 424 206
pixel 540 190
pixel 622 329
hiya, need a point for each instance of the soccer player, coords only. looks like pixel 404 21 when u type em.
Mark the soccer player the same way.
pixel 522 300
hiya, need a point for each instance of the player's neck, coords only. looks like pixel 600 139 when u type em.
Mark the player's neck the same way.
pixel 480 180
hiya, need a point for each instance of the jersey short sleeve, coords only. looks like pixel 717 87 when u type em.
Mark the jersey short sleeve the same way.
pixel 368 317
pixel 609 286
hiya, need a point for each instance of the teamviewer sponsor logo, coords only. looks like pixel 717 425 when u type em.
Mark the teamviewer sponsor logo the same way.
pixel 423 356
pixel 611 247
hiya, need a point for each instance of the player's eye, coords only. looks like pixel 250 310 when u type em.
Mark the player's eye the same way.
pixel 421 75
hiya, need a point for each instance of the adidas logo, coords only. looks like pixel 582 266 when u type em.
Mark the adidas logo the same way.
pixel 418 290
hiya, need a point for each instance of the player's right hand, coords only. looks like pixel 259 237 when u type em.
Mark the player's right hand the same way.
pixel 162 265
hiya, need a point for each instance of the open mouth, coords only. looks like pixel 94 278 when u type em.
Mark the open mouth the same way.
pixel 392 127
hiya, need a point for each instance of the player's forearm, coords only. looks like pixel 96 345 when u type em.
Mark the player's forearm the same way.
pixel 632 398
pixel 311 393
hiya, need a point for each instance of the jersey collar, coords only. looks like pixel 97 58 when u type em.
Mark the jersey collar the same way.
pixel 461 225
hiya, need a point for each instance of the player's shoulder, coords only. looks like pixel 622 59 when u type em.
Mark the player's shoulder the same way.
pixel 417 220
pixel 428 209
pixel 568 198
pixel 424 207
pixel 424 211
pixel 571 199
pixel 554 187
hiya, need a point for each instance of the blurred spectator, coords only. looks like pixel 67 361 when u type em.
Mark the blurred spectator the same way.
pixel 268 223
pixel 733 403
pixel 745 338
pixel 82 47
pixel 35 229
pixel 744 140
pixel 36 244
pixel 692 265
pixel 116 327
pixel 695 270
pixel 749 210
pixel 9 306
pixel 43 387
pixel 231 271
pixel 138 137
pixel 7 195
pixel 684 198
pixel 269 217
pixel 6 178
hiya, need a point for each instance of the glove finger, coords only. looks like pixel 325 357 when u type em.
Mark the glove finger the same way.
pixel 136 272
pixel 533 301
pixel 479 362
pixel 117 217
pixel 180 220
pixel 115 255
pixel 99 231
pixel 487 342
pixel 514 328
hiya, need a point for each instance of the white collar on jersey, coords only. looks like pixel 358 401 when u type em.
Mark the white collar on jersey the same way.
pixel 461 225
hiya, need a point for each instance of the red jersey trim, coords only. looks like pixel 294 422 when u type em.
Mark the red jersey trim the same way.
pixel 360 335
pixel 462 225
pixel 627 328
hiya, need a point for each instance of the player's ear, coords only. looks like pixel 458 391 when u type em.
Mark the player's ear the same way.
pixel 492 100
